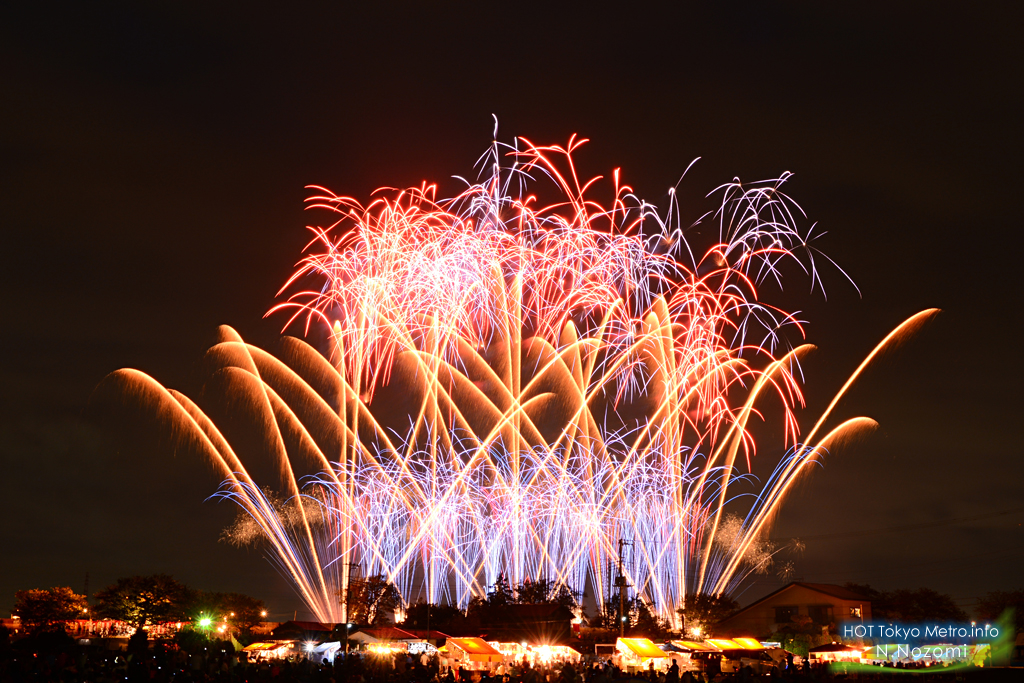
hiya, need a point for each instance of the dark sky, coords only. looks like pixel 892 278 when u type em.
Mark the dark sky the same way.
pixel 153 159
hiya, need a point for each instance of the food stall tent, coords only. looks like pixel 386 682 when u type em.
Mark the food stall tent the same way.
pixel 638 653
pixel 472 653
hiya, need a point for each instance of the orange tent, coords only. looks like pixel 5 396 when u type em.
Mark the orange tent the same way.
pixel 474 650
pixel 641 647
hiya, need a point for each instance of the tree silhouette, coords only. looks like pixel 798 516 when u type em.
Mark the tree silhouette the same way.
pixel 547 592
pixel 992 606
pixel 371 600
pixel 703 611
pixel 498 598
pixel 146 600
pixel 923 604
pixel 46 609
pixel 437 617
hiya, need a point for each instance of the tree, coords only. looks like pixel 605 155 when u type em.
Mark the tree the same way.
pixel 539 592
pixel 640 616
pixel 242 611
pixel 993 605
pixel 48 609
pixel 370 600
pixel 437 617
pixel 146 600
pixel 547 592
pixel 703 610
pixel 905 605
pixel 239 611
pixel 645 621
pixel 498 598
pixel 501 593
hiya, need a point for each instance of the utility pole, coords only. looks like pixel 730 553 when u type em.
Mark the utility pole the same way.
pixel 87 602
pixel 620 582
pixel 608 595
pixel 352 567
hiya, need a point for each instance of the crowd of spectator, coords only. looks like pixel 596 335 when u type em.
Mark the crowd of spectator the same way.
pixel 58 658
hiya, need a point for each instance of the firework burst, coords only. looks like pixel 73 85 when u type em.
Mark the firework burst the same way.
pixel 512 387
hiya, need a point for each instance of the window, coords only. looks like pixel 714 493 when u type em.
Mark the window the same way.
pixel 820 614
pixel 856 613
pixel 784 613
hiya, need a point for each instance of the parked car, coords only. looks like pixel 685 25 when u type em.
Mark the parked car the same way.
pixel 758 660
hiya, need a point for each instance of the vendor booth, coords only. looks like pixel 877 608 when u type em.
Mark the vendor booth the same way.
pixel 471 653
pixel 637 654
pixel 536 655
pixel 324 652
pixel 834 652
pixel 270 650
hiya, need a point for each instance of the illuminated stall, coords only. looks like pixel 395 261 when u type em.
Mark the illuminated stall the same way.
pixel 324 652
pixel 835 652
pixel 537 655
pixel 749 643
pixel 389 639
pixel 639 653
pixel 270 650
pixel 472 653
pixel 730 655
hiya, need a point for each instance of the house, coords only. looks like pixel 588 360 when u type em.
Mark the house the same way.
pixel 798 606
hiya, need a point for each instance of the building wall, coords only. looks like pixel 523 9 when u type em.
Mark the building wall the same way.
pixel 770 615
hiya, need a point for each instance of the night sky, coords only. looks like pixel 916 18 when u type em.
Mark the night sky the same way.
pixel 153 160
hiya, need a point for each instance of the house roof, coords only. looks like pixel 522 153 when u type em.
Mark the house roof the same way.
pixel 529 613
pixel 835 591
pixel 541 609
pixel 388 633
pixel 304 626
pixel 423 634
pixel 825 588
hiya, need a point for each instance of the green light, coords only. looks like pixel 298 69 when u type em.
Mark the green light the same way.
pixel 205 621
